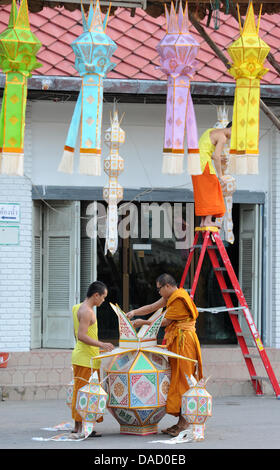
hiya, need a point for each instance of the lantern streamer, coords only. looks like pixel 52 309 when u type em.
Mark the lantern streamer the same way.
pixel 113 192
pixel 178 50
pixel 228 183
pixel 93 49
pixel 18 49
pixel 248 53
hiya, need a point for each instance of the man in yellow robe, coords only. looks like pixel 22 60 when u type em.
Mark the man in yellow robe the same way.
pixel 180 337
pixel 87 345
pixel 207 191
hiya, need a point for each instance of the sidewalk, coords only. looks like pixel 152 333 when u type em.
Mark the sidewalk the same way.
pixel 238 422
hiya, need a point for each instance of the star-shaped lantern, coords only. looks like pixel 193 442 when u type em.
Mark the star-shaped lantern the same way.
pixel 138 377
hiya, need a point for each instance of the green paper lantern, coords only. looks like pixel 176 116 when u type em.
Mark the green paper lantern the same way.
pixel 18 49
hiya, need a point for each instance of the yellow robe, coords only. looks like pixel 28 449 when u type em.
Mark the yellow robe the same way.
pixel 181 338
pixel 207 191
pixel 83 361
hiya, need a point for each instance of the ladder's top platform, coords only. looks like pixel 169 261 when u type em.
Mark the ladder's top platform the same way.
pixel 207 229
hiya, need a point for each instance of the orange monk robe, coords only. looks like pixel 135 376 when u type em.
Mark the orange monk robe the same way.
pixel 181 338
pixel 208 196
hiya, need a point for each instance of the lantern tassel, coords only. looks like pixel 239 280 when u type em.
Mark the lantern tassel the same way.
pixel 173 163
pixel 194 167
pixel 90 164
pixel 12 163
pixel 253 164
pixel 67 161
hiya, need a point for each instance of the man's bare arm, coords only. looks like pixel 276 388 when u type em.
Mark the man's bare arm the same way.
pixel 146 309
pixel 217 155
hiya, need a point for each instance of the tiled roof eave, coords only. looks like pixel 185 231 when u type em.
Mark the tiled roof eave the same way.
pixel 137 87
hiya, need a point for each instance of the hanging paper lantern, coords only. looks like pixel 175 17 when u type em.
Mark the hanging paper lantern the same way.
pixel 113 192
pixel 178 50
pixel 93 50
pixel 248 53
pixel 138 377
pixel 91 403
pixel 228 183
pixel 18 49
pixel 196 408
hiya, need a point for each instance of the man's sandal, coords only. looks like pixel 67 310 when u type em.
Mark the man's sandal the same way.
pixel 95 434
pixel 175 430
pixel 167 430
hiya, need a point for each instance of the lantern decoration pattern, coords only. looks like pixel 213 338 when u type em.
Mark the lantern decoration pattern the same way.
pixel 93 50
pixel 18 49
pixel 196 408
pixel 113 191
pixel 138 376
pixel 248 53
pixel 69 393
pixel 228 183
pixel 91 403
pixel 178 50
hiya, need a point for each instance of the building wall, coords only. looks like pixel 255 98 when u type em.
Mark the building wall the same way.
pixel 274 320
pixel 16 260
pixel 46 129
pixel 142 150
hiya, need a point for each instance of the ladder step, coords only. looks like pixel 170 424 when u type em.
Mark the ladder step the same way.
pixel 259 377
pixel 228 290
pixel 211 247
pixel 220 269
pixel 252 356
pixel 245 335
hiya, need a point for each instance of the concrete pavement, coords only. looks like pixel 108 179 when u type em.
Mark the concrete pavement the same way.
pixel 238 422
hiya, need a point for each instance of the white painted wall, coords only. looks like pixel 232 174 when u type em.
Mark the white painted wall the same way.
pixel 274 274
pixel 46 130
pixel 16 260
pixel 142 150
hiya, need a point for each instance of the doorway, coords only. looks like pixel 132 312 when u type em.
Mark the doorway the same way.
pixel 132 271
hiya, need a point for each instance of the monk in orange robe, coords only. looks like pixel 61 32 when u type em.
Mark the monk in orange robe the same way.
pixel 207 191
pixel 180 338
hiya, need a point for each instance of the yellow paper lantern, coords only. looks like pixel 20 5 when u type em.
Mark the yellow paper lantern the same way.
pixel 248 53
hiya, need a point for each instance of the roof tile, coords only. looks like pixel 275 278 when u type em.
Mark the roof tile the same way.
pixel 52 29
pixel 137 38
pixel 48 56
pixel 129 43
pixel 45 38
pixel 137 61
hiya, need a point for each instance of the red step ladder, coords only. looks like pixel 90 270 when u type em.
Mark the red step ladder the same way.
pixel 211 243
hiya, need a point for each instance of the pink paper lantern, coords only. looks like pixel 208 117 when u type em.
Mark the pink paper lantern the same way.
pixel 178 50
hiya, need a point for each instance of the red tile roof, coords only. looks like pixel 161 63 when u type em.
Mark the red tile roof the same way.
pixel 136 37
